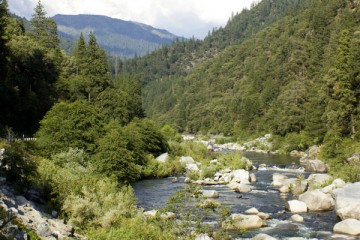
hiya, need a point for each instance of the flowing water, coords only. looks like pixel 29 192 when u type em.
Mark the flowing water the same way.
pixel 152 194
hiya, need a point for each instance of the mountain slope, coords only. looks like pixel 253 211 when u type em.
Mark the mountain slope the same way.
pixel 124 38
pixel 279 80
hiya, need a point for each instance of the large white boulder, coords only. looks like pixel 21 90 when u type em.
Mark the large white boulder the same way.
pixel 348 226
pixel 317 201
pixel 241 222
pixel 347 201
pixel 296 206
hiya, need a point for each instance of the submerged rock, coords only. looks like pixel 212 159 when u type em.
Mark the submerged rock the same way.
pixel 348 226
pixel 317 201
pixel 241 222
pixel 278 179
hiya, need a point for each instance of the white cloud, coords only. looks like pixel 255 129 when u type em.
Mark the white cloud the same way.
pixel 182 17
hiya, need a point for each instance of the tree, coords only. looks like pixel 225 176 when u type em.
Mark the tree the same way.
pixel 44 29
pixel 76 125
pixel 342 95
pixel 3 39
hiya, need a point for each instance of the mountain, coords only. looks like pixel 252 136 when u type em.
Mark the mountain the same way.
pixel 292 71
pixel 118 37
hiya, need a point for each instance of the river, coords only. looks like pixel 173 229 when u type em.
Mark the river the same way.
pixel 152 194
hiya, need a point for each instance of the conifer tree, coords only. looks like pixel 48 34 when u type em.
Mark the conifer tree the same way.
pixel 44 29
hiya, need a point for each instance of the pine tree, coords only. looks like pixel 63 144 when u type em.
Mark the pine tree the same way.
pixel 44 29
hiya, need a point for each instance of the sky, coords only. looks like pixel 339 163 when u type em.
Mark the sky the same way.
pixel 181 17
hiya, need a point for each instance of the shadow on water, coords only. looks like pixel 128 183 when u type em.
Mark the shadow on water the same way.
pixel 152 194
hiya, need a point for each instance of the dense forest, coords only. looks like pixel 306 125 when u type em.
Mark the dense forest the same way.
pixel 290 68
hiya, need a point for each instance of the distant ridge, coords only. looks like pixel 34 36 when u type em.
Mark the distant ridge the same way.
pixel 122 38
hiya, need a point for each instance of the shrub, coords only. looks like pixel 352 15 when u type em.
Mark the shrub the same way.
pixel 18 165
pixel 100 205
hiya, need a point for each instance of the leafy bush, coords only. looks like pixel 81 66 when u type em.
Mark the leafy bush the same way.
pixel 100 205
pixel 18 165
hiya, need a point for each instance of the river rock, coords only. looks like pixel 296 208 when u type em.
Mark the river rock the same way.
pixel 317 201
pixel 240 176
pixel 263 236
pixel 186 160
pixel 241 222
pixel 210 193
pixel 192 167
pixel 163 158
pixel 316 180
pixel 264 216
pixel 187 180
pixel 252 177
pixel 284 189
pixel 252 211
pixel 315 165
pixel 348 226
pixel 296 218
pixel 278 179
pixel 296 206
pixel 239 187
pixel 347 201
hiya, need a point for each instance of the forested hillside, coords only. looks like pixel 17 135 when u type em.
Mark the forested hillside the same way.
pixel 295 74
pixel 119 38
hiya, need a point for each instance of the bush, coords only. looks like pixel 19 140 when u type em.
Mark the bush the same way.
pixel 18 165
pixel 100 205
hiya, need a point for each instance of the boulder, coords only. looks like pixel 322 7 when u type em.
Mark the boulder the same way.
pixel 187 180
pixel 239 187
pixel 348 226
pixel 315 165
pixel 296 206
pixel 241 222
pixel 163 158
pixel 241 176
pixel 186 160
pixel 264 216
pixel 210 193
pixel 296 218
pixel 347 201
pixel 263 236
pixel 317 201
pixel 252 211
pixel 278 179
pixel 316 180
pixel 192 167
pixel 284 189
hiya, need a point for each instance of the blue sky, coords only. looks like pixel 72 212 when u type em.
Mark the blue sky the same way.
pixel 181 17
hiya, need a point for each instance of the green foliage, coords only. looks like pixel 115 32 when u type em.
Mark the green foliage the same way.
pixel 100 205
pixel 76 125
pixel 233 160
pixel 133 228
pixel 18 165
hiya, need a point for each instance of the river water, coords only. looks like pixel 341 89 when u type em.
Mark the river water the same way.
pixel 153 194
